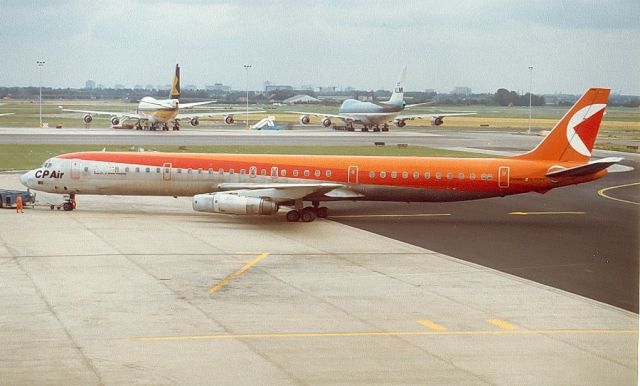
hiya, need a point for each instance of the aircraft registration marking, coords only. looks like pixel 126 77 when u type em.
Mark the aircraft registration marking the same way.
pixel 224 282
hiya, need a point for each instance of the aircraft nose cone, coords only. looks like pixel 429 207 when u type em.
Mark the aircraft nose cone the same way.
pixel 24 179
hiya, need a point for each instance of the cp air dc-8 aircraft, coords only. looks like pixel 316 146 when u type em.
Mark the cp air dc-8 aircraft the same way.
pixel 260 184
pixel 158 113
pixel 375 116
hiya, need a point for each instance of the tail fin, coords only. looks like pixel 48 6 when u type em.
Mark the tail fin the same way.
pixel 573 137
pixel 175 87
pixel 398 91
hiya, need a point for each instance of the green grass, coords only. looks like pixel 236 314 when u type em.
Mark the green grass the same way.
pixel 22 157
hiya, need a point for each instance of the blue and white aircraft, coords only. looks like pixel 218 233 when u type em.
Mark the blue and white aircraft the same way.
pixel 375 116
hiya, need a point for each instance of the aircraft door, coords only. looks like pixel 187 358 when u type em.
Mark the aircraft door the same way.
pixel 503 177
pixel 166 171
pixel 75 168
pixel 352 175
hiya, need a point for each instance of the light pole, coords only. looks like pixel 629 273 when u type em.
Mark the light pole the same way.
pixel 246 69
pixel 40 64
pixel 530 87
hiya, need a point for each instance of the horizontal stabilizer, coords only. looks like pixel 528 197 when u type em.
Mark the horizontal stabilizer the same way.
pixel 586 169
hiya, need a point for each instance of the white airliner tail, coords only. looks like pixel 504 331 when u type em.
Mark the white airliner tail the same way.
pixel 398 91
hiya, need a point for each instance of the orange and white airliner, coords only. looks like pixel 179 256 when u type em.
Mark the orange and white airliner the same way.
pixel 260 184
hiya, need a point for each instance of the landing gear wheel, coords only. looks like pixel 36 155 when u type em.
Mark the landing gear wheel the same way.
pixel 293 216
pixel 365 129
pixel 322 212
pixel 67 206
pixel 307 215
pixel 385 128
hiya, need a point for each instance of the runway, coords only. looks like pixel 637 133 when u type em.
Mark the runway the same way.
pixel 571 238
pixel 144 290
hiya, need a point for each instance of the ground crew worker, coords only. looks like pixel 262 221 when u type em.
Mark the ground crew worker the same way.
pixel 19 205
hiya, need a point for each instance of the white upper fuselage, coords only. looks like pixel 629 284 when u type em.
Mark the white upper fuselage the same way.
pixel 158 110
pixel 368 113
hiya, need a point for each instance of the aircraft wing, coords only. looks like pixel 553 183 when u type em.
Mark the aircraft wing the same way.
pixel 346 118
pixel 586 169
pixel 111 113
pixel 190 105
pixel 429 116
pixel 211 114
pixel 281 192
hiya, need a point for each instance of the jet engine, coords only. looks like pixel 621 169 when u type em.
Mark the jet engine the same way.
pixel 326 122
pixel 233 204
pixel 87 118
pixel 228 119
pixel 115 121
pixel 437 121
pixel 304 119
pixel 401 123
pixel 194 122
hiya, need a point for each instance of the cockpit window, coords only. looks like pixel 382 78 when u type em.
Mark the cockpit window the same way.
pixel 46 164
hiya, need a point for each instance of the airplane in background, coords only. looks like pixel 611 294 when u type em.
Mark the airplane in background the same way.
pixel 260 184
pixel 375 116
pixel 158 113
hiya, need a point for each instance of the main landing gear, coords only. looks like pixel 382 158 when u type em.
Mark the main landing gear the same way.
pixel 308 213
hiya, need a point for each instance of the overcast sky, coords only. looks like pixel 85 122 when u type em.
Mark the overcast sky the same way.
pixel 484 45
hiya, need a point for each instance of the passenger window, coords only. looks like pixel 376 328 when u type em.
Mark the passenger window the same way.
pixel 137 170
pixel 438 175
pixel 483 177
pixel 306 173
pixel 394 174
pixel 405 175
pixel 327 173
pixel 295 173
pixel 157 170
pixel 189 170
pixel 427 175
pixel 243 172
pixel 283 172
pixel 416 175
pixel 125 169
pixel 148 170
pixel 179 170
pixel 383 174
pixel 200 171
pixel 372 174
pixel 316 173
pixel 210 171
pixel 231 171
pixel 489 176
pixel 263 172
pixel 461 176
pixel 449 176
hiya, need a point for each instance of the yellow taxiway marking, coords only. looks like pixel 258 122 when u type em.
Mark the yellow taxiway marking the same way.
pixel 601 193
pixel 224 282
pixel 542 213
pixel 502 324
pixel 382 334
pixel 393 215
pixel 432 325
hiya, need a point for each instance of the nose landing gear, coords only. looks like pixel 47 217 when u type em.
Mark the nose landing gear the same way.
pixel 70 204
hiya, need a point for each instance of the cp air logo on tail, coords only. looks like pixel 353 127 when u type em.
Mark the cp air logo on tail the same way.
pixel 582 128
pixel 573 137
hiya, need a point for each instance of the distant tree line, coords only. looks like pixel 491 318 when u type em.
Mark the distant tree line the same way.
pixel 504 97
